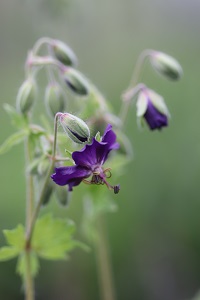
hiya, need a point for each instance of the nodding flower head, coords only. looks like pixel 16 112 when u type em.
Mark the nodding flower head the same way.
pixel 152 108
pixel 89 163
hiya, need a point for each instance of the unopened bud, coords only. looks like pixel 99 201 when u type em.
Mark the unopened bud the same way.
pixel 166 65
pixel 43 167
pixel 46 196
pixel 62 195
pixel 64 53
pixel 76 82
pixel 76 128
pixel 54 99
pixel 26 96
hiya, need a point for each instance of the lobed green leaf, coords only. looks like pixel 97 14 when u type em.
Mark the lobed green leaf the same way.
pixel 18 120
pixel 13 140
pixel 52 238
pixel 7 253
pixel 15 237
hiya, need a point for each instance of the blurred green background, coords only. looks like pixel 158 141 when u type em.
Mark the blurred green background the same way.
pixel 155 234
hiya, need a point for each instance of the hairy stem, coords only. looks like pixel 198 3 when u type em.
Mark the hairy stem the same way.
pixel 103 263
pixel 29 282
pixel 45 185
pixel 40 42
pixel 29 184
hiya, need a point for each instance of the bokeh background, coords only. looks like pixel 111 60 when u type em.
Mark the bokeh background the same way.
pixel 155 234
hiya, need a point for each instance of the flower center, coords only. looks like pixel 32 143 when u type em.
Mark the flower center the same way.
pixel 99 177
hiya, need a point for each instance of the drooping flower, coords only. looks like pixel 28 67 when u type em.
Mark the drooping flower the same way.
pixel 89 162
pixel 152 108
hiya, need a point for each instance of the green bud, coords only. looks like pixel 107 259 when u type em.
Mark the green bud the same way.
pixel 54 99
pixel 75 128
pixel 63 53
pixel 62 195
pixel 166 65
pixel 46 196
pixel 76 82
pixel 26 96
pixel 43 167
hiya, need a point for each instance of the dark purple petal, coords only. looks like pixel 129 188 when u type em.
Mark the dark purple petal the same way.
pixel 110 138
pixel 97 152
pixel 91 155
pixel 154 118
pixel 70 175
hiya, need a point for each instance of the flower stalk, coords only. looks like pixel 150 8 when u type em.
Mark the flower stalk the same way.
pixel 104 268
pixel 29 281
pixel 39 203
pixel 134 79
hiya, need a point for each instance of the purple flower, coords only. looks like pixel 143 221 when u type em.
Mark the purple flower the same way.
pixel 152 108
pixel 154 118
pixel 89 162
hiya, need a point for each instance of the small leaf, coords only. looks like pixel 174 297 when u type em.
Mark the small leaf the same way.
pixel 98 137
pixel 81 245
pixel 13 140
pixel 33 166
pixel 34 264
pixel 52 238
pixel 18 120
pixel 7 253
pixel 15 237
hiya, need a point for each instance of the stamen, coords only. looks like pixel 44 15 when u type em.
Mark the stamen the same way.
pixel 96 179
pixel 107 173
pixel 87 181
pixel 116 189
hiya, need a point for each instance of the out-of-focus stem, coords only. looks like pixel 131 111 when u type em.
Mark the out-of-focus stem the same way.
pixel 40 42
pixel 40 201
pixel 134 79
pixel 29 282
pixel 103 263
pixel 29 184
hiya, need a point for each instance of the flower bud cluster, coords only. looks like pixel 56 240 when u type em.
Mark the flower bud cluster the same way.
pixel 62 57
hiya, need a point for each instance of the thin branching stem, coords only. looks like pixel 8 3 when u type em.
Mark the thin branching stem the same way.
pixel 134 80
pixel 41 42
pixel 45 185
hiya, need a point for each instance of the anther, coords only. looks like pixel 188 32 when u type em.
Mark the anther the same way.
pixel 116 189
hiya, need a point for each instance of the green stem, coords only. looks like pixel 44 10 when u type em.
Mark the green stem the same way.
pixel 40 42
pixel 45 185
pixel 134 79
pixel 29 184
pixel 29 282
pixel 103 263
